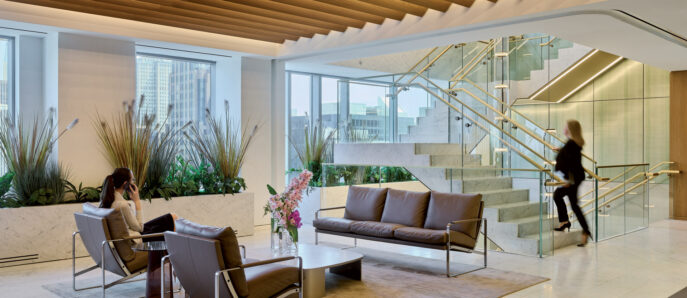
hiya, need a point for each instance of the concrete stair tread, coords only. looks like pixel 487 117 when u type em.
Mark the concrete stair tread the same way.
pixel 488 192
pixel 555 234
pixel 524 220
pixel 510 205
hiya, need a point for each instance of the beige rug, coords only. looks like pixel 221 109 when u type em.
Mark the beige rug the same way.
pixel 384 275
pixel 396 275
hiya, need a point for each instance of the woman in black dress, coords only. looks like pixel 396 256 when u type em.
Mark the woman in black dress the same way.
pixel 569 162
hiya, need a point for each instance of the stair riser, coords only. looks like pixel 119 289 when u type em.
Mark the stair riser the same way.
pixel 450 161
pixel 460 174
pixel 473 186
pixel 529 228
pixel 510 213
pixel 514 196
pixel 439 149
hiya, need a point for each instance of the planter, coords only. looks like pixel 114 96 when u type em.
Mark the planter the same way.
pixel 335 196
pixel 43 233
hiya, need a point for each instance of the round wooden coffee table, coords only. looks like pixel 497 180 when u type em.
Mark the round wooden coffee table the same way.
pixel 317 258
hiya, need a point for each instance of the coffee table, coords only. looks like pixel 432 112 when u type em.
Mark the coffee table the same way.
pixel 317 258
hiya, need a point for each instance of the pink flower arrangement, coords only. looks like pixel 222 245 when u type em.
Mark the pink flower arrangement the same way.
pixel 283 206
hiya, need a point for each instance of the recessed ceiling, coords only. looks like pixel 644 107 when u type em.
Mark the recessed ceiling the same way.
pixel 265 20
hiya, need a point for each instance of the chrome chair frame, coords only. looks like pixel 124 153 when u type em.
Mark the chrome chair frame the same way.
pixel 109 244
pixel 450 247
pixel 225 273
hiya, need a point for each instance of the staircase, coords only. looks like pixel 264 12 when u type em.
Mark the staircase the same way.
pixel 513 218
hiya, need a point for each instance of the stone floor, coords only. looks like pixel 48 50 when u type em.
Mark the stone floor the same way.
pixel 647 263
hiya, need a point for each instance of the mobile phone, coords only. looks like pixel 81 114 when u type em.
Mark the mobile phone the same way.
pixel 127 187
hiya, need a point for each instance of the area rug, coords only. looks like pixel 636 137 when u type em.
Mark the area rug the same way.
pixel 384 274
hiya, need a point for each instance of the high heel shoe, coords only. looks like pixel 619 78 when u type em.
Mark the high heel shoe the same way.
pixel 585 237
pixel 563 227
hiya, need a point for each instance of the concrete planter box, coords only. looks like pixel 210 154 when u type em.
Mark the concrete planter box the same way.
pixel 335 196
pixel 43 233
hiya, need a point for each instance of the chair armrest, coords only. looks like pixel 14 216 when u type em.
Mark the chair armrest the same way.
pixel 137 237
pixel 265 262
pixel 243 249
pixel 317 213
pixel 464 221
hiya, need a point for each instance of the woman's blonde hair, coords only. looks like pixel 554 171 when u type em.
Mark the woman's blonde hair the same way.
pixel 575 130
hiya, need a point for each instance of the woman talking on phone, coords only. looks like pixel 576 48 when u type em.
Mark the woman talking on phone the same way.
pixel 112 196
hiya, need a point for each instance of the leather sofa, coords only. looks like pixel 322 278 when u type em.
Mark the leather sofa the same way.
pixel 436 220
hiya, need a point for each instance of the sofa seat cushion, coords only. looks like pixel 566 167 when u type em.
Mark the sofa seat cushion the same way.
pixel 365 203
pixel 333 224
pixel 433 236
pixel 447 207
pixel 407 208
pixel 375 229
pixel 271 279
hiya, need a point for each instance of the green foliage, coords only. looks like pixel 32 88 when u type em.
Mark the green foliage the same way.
pixel 182 178
pixel 314 151
pixel 27 150
pixel 187 179
pixel 5 183
pixel 334 175
pixel 83 194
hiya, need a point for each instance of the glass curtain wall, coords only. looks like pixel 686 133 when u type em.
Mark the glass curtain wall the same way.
pixel 176 90
pixel 6 84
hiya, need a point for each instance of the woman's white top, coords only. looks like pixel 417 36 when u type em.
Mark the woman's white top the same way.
pixel 132 218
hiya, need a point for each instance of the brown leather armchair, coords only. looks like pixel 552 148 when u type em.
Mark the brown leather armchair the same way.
pixel 207 262
pixel 106 238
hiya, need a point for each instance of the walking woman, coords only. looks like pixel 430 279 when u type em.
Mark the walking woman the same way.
pixel 112 196
pixel 569 162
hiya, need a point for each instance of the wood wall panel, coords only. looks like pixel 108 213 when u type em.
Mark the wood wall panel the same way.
pixel 678 143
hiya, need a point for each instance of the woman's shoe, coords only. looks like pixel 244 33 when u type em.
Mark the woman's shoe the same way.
pixel 563 227
pixel 585 237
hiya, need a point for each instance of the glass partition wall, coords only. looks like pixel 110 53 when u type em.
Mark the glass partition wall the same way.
pixel 6 84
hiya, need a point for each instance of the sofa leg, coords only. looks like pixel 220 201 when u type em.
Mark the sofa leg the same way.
pixel 448 262
pixel 316 240
pixel 355 242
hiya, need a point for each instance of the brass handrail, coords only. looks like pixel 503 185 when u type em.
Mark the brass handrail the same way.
pixel 474 61
pixel 416 64
pixel 647 177
pixel 548 42
pixel 426 66
pixel 534 163
pixel 457 70
pixel 509 107
pixel 536 137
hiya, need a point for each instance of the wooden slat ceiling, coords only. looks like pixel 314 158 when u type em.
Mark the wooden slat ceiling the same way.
pixel 266 20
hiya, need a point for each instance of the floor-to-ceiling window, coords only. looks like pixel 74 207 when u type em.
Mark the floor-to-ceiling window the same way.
pixel 6 84
pixel 176 90
pixel 300 95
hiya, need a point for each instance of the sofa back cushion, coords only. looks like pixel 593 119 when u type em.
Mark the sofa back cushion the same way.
pixel 406 208
pixel 229 247
pixel 447 207
pixel 117 228
pixel 365 203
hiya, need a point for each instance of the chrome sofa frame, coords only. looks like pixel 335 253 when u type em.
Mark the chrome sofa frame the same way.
pixel 449 247
pixel 110 245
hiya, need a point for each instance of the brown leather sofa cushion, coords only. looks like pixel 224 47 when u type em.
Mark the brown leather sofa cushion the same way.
pixel 365 203
pixel 271 279
pixel 407 208
pixel 446 207
pixel 333 224
pixel 229 247
pixel 375 229
pixel 434 236
pixel 117 228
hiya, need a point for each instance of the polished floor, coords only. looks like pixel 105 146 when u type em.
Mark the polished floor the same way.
pixel 647 263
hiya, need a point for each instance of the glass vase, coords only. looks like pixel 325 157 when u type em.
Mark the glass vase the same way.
pixel 275 238
pixel 288 246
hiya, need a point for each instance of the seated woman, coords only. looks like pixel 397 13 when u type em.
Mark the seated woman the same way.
pixel 112 196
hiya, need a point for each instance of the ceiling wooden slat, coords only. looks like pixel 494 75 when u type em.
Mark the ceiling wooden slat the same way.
pixel 401 6
pixel 254 20
pixel 302 12
pixel 333 9
pixel 271 14
pixel 266 20
pixel 145 18
pixel 367 7
pixel 222 20
pixel 466 3
pixel 439 5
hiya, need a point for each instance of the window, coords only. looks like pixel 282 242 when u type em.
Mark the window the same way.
pixel 6 84
pixel 184 84
pixel 299 98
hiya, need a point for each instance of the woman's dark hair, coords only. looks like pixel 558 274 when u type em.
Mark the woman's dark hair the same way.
pixel 112 182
